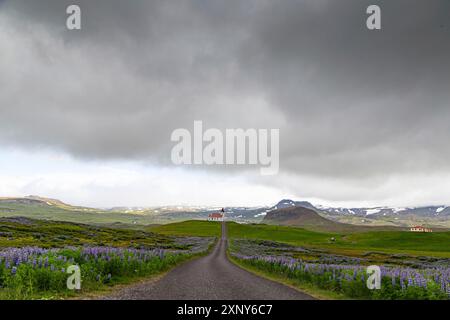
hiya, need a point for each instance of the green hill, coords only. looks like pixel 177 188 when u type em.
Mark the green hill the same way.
pixel 20 232
pixel 49 209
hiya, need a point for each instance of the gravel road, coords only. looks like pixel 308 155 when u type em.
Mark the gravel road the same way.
pixel 212 277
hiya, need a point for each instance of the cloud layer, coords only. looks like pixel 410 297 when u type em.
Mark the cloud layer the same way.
pixel 354 107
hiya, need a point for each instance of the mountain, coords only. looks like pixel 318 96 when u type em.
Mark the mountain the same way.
pixel 309 219
pixel 37 200
pixel 287 203
pixel 37 207
pixel 52 209
pixel 296 216
pixel 432 216
pixel 430 211
pixel 426 211
pixel 41 208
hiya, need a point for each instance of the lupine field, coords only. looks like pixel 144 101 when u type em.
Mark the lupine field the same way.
pixel 423 279
pixel 35 256
pixel 35 272
pixel 32 272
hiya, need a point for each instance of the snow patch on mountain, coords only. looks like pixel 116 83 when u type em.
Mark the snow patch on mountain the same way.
pixel 262 214
pixel 440 209
pixel 372 211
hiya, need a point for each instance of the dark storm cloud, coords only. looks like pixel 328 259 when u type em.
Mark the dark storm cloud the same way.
pixel 119 86
pixel 350 102
pixel 363 101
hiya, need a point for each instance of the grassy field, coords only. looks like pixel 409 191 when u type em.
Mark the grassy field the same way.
pixel 290 235
pixel 20 232
pixel 391 242
pixel 399 221
pixel 189 228
pixel 432 244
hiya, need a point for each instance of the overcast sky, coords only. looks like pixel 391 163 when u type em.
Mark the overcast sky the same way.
pixel 364 116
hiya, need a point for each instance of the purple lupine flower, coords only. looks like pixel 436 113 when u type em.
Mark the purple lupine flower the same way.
pixel 410 281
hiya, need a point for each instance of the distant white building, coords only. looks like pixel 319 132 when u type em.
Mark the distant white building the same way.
pixel 215 217
pixel 420 229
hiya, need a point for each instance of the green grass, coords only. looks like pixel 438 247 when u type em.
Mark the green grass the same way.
pixel 196 228
pixel 53 234
pixel 432 244
pixel 290 235
pixel 428 244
